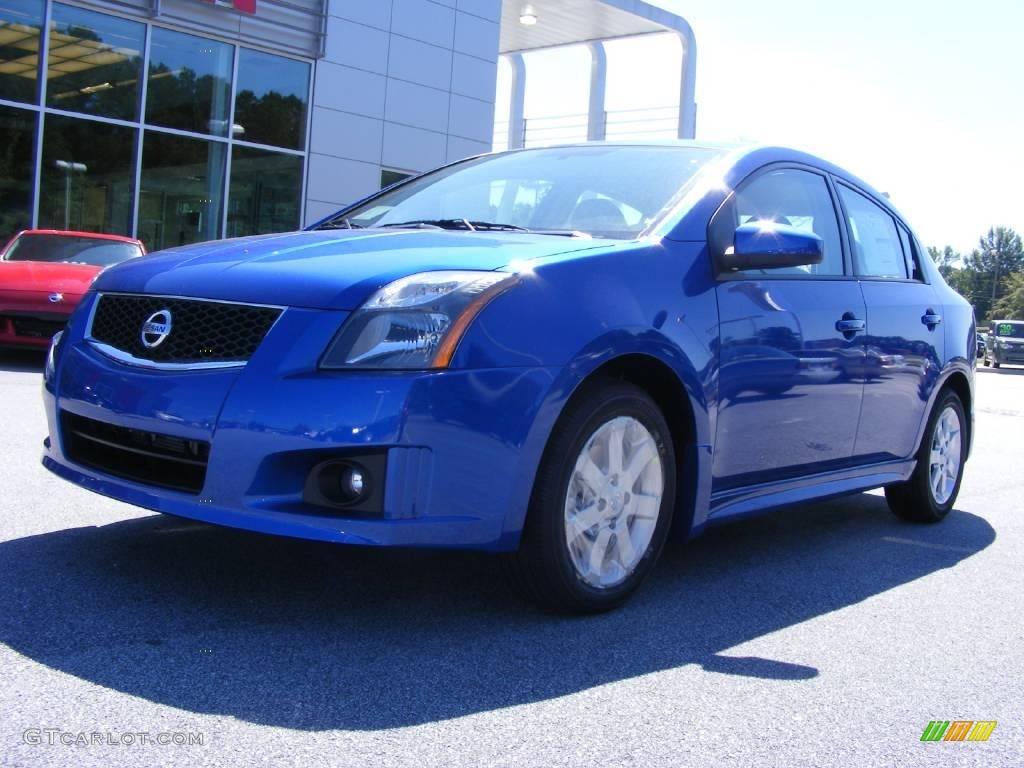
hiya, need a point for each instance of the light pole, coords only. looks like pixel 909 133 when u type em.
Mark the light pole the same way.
pixel 995 280
pixel 69 167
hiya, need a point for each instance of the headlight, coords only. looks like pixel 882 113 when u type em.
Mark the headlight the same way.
pixel 51 356
pixel 415 322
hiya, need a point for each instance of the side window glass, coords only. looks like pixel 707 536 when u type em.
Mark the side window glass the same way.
pixel 877 251
pixel 797 199
pixel 910 255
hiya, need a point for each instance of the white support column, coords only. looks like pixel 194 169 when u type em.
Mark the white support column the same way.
pixel 596 117
pixel 687 84
pixel 517 101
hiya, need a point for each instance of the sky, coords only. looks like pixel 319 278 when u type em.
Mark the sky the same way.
pixel 924 101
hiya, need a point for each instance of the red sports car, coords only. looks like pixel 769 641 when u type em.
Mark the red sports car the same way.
pixel 43 274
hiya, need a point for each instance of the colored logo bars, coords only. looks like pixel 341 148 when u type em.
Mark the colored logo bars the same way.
pixel 958 730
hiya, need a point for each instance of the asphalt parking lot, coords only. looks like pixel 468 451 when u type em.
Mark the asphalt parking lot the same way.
pixel 824 635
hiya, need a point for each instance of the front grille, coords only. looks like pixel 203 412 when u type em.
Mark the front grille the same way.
pixel 35 328
pixel 201 331
pixel 135 454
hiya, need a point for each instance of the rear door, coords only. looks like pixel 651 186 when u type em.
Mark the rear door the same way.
pixel 786 405
pixel 904 341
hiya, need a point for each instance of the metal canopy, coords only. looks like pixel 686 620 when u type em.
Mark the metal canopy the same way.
pixel 592 22
pixel 563 22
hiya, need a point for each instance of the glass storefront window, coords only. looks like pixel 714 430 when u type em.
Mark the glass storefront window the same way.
pixel 17 128
pixel 82 123
pixel 87 176
pixel 266 188
pixel 182 190
pixel 94 63
pixel 189 82
pixel 270 103
pixel 20 22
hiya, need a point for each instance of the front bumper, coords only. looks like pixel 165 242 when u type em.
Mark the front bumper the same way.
pixel 29 330
pixel 461 446
pixel 1009 354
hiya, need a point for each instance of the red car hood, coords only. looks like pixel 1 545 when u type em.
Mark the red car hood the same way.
pixel 45 277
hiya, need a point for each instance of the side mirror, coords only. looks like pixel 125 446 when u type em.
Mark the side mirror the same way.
pixel 767 245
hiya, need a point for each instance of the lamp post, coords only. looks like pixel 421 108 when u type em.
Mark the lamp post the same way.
pixel 69 167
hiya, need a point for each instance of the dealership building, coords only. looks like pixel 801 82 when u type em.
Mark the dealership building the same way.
pixel 178 121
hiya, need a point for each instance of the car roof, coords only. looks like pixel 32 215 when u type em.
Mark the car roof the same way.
pixel 73 233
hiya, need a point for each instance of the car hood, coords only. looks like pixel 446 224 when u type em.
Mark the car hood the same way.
pixel 46 277
pixel 336 269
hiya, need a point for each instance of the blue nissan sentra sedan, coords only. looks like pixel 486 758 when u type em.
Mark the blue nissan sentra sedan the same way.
pixel 558 354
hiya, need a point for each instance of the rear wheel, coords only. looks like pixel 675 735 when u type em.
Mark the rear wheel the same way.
pixel 932 489
pixel 601 504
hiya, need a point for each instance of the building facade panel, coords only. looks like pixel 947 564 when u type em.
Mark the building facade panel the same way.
pixel 356 45
pixel 473 77
pixel 419 62
pixel 424 20
pixel 417 106
pixel 471 118
pixel 476 36
pixel 342 134
pixel 413 149
pixel 376 13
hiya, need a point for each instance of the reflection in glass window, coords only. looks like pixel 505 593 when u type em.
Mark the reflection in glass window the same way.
pixel 94 63
pixel 182 190
pixel 189 82
pixel 20 22
pixel 266 188
pixel 876 243
pixel 795 199
pixel 270 105
pixel 87 176
pixel 17 127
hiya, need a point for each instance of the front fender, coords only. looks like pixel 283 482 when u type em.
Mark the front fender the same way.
pixel 579 313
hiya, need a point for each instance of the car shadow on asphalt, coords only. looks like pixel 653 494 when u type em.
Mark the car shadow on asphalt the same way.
pixel 22 360
pixel 315 636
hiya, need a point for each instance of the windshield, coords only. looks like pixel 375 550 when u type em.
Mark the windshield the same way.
pixel 603 190
pixel 69 249
pixel 1013 330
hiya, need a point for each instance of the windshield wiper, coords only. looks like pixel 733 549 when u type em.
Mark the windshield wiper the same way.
pixel 466 225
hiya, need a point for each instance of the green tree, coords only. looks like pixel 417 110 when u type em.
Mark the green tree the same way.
pixel 947 260
pixel 1011 305
pixel 1000 253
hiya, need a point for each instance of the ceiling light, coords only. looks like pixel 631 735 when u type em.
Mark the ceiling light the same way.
pixel 528 18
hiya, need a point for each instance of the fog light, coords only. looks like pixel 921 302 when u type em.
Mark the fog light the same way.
pixel 353 483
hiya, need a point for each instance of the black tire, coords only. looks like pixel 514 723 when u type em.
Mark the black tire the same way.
pixel 541 570
pixel 995 364
pixel 914 500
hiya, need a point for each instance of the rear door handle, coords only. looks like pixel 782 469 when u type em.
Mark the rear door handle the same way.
pixel 931 319
pixel 849 325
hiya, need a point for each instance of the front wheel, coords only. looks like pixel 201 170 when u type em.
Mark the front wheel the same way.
pixel 601 505
pixel 932 489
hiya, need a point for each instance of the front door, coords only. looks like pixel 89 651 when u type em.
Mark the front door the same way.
pixel 787 402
